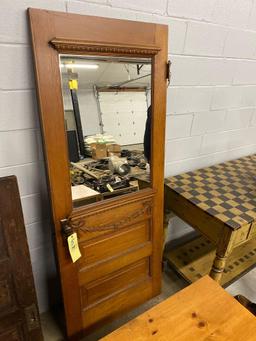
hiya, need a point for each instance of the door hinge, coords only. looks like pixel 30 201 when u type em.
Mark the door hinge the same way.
pixel 168 72
pixel 32 318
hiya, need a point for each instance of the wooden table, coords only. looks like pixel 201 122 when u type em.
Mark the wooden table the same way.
pixel 202 311
pixel 220 203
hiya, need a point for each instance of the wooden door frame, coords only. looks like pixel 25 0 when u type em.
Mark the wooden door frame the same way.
pixel 54 33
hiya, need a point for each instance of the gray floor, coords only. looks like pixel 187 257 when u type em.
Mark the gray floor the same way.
pixel 171 284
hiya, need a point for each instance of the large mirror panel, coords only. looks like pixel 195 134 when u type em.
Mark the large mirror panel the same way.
pixel 107 108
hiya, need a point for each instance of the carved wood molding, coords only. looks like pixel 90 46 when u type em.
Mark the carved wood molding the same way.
pixel 121 223
pixel 83 211
pixel 65 46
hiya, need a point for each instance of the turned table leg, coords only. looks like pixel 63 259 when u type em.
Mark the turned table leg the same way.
pixel 218 267
pixel 224 248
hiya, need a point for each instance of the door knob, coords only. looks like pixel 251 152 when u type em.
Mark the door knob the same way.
pixel 66 230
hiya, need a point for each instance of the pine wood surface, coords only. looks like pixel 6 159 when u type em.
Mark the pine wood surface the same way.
pixel 202 311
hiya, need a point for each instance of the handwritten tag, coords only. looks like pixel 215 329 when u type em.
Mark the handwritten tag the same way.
pixel 73 247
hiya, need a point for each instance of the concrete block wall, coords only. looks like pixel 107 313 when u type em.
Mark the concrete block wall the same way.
pixel 211 105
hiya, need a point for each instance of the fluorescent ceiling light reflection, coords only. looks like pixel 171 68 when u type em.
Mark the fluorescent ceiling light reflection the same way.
pixel 80 66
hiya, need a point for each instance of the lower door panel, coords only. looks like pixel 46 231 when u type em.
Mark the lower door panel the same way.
pixel 114 271
pixel 108 286
pixel 123 300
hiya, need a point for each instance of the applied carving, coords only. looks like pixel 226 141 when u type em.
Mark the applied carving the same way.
pixel 63 45
pixel 121 223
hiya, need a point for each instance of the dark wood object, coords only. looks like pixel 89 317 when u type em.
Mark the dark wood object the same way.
pixel 19 318
pixel 121 238
pixel 202 311
pixel 219 202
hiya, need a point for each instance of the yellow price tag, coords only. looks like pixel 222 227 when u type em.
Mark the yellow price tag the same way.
pixel 73 247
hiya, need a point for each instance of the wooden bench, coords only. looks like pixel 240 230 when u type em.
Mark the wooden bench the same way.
pixel 202 311
pixel 220 203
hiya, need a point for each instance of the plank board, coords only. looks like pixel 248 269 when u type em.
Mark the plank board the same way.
pixel 202 311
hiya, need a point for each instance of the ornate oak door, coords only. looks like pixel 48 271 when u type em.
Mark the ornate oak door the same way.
pixel 120 239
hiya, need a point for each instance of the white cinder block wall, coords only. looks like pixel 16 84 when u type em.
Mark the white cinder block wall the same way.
pixel 211 102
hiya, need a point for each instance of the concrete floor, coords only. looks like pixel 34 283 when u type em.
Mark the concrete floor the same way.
pixel 171 283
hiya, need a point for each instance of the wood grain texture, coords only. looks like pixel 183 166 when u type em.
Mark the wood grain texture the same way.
pixel 18 305
pixel 219 202
pixel 54 33
pixel 202 311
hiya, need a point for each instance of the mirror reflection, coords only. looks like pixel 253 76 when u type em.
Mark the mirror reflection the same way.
pixel 107 108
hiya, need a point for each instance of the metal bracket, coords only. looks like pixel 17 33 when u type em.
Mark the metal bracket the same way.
pixel 168 72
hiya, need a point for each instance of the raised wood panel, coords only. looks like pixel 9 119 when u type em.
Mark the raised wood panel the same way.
pixel 102 269
pixel 124 300
pixel 115 282
pixel 126 214
pixel 114 245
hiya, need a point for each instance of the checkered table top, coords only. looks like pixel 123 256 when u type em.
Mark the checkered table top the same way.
pixel 226 191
